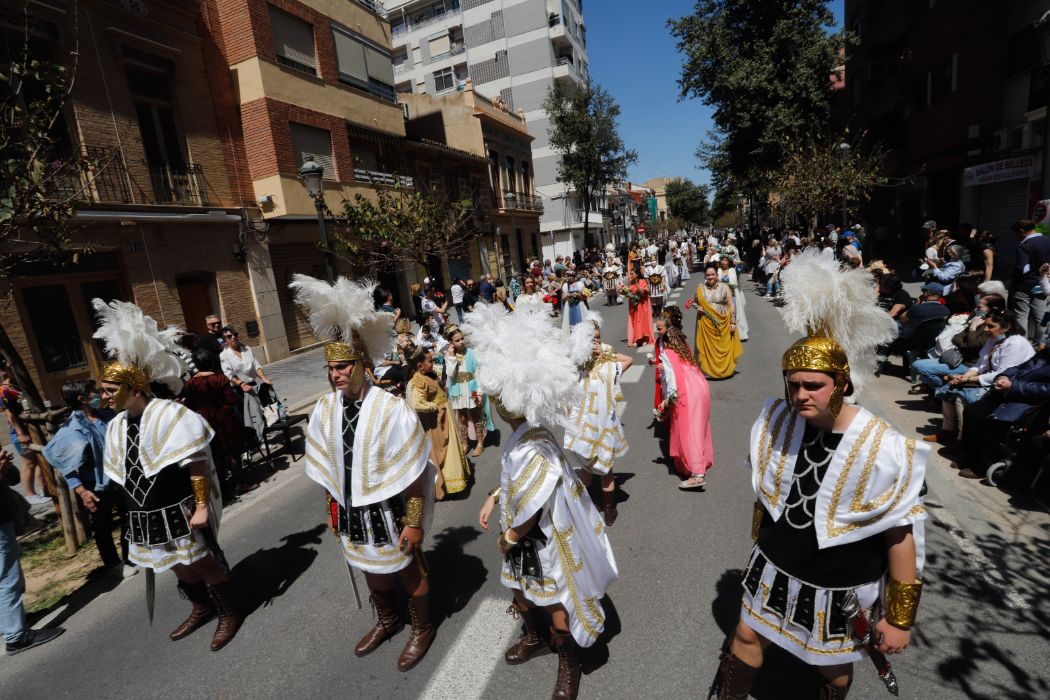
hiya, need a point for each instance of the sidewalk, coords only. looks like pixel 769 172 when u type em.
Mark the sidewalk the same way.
pixel 300 379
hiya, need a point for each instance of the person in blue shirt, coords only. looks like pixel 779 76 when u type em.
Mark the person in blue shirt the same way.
pixel 76 451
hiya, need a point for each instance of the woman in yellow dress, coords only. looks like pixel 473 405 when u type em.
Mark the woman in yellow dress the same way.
pixel 428 399
pixel 718 344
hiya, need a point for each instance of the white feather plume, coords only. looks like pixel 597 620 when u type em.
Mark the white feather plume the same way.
pixel 581 337
pixel 818 291
pixel 337 310
pixel 132 338
pixel 522 360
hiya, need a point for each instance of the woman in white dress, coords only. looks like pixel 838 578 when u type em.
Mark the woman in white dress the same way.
pixel 727 273
pixel 530 295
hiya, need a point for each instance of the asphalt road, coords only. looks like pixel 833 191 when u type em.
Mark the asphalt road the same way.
pixel 981 632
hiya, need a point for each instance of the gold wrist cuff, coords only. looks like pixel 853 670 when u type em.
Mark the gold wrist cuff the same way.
pixel 201 486
pixel 413 512
pixel 495 494
pixel 902 602
pixel 506 543
pixel 756 520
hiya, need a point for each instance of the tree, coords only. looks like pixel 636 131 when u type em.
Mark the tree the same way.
pixel 817 176
pixel 584 133
pixel 764 68
pixel 406 225
pixel 41 179
pixel 688 201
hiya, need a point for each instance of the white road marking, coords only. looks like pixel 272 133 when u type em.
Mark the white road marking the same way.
pixel 632 375
pixel 482 640
pixel 980 563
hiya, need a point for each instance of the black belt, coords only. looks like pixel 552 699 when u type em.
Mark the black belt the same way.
pixel 352 522
pixel 524 558
pixel 152 527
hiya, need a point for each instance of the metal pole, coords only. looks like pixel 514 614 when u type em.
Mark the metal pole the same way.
pixel 329 270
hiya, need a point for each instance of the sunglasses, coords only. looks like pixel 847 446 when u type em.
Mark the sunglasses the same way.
pixel 233 335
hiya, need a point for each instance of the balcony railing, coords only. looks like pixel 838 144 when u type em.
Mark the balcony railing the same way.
pixel 373 177
pixel 98 176
pixel 177 184
pixel 519 201
pixel 404 67
pixel 374 7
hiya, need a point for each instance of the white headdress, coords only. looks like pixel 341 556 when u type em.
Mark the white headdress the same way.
pixel 836 308
pixel 581 337
pixel 140 352
pixel 345 314
pixel 523 362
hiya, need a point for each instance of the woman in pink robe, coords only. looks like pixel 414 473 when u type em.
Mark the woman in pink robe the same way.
pixel 639 311
pixel 686 401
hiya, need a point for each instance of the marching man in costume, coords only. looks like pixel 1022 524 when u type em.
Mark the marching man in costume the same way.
pixel 556 556
pixel 654 272
pixel 368 450
pixel 595 431
pixel 157 451
pixel 611 274
pixel 839 518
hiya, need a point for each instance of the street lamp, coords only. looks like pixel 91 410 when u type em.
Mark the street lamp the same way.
pixel 844 149
pixel 312 175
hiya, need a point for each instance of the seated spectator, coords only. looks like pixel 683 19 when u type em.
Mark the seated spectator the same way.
pixel 892 296
pixel 1014 392
pixel 1006 346
pixel 76 450
pixel 945 272
pixel 210 394
pixel 927 309
pixel 963 334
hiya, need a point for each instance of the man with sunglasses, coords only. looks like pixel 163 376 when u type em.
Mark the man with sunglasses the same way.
pixel 212 340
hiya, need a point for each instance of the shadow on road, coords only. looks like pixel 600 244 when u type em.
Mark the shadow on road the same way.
pixel 98 582
pixel 596 656
pixel 269 573
pixel 454 575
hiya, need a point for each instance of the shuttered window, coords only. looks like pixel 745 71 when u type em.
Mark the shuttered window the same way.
pixel 439 45
pixel 362 65
pixel 350 55
pixel 380 67
pixel 309 141
pixel 294 41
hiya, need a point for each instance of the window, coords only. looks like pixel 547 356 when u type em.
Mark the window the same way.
pixel 443 80
pixel 363 65
pixel 439 46
pixel 294 41
pixel 151 95
pixel 54 327
pixel 310 141
pixel 526 181
pixel 512 177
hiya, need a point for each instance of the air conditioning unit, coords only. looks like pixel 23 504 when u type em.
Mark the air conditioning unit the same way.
pixel 404 109
pixel 1030 137
pixel 1001 140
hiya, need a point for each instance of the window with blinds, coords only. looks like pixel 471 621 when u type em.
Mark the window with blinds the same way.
pixel 439 46
pixel 362 65
pixel 294 41
pixel 309 141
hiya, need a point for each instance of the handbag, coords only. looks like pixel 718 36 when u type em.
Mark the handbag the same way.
pixel 951 357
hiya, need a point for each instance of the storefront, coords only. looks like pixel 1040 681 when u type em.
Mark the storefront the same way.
pixel 995 195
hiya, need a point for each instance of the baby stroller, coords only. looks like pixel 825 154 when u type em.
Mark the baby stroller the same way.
pixel 1024 449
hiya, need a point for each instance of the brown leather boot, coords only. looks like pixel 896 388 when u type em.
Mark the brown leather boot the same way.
pixel 834 692
pixel 569 668
pixel 736 678
pixel 479 431
pixel 422 633
pixel 202 610
pixel 229 620
pixel 609 511
pixel 532 642
pixel 388 623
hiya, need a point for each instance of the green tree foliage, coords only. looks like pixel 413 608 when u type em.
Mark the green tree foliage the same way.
pixel 584 133
pixel 41 181
pixel 688 201
pixel 406 225
pixel 764 67
pixel 816 176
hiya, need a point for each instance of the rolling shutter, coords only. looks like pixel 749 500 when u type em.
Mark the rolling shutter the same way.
pixel 293 38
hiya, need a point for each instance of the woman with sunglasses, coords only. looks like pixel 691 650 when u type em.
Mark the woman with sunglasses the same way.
pixel 243 370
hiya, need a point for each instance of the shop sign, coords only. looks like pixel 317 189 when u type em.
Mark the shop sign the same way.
pixel 999 171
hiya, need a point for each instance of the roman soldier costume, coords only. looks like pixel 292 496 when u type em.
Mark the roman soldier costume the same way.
pixel 148 455
pixel 654 274
pixel 564 562
pixel 367 449
pixel 611 276
pixel 818 573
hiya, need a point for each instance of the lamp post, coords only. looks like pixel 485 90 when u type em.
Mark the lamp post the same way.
pixel 844 149
pixel 312 175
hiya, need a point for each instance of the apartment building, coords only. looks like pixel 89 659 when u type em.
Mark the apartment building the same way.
pixel 512 51
pixel 159 221
pixel 471 122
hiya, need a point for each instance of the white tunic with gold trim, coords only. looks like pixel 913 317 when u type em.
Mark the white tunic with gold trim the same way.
pixel 390 451
pixel 596 432
pixel 576 561
pixel 168 436
pixel 873 482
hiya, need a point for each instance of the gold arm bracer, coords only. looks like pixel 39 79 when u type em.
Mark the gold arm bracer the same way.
pixel 413 512
pixel 201 487
pixel 756 520
pixel 902 602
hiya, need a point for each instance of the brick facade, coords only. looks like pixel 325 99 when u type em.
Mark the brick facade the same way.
pixel 268 137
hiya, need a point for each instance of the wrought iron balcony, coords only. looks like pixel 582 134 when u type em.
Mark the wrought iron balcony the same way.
pixel 373 177
pixel 91 174
pixel 520 201
pixel 177 184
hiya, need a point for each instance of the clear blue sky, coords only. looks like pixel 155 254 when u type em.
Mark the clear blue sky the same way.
pixel 633 56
